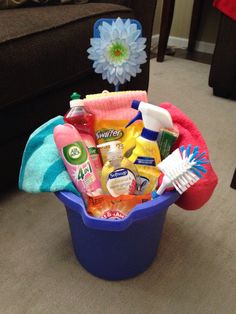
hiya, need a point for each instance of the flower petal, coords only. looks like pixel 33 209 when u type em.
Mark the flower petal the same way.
pixel 134 35
pixel 119 51
pixel 115 34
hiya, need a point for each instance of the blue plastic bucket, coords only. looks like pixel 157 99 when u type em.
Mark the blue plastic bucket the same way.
pixel 117 249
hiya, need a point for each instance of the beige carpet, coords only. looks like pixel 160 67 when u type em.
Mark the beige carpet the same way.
pixel 195 271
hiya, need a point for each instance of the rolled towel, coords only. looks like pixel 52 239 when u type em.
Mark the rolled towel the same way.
pixel 42 169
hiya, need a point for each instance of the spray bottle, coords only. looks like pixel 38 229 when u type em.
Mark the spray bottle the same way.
pixel 146 154
pixel 77 160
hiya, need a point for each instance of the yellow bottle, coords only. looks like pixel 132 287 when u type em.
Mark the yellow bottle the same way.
pixel 146 154
pixel 119 175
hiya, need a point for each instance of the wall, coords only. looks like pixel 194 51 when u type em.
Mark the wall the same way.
pixel 182 19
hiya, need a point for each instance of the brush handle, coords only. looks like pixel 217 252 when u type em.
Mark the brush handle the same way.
pixel 166 183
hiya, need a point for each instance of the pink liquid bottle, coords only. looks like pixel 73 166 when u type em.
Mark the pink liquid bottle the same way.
pixel 83 121
pixel 77 160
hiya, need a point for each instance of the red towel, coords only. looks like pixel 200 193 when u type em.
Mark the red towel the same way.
pixel 196 196
pixel 228 7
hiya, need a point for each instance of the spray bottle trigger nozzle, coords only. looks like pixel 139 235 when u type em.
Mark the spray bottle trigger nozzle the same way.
pixel 137 117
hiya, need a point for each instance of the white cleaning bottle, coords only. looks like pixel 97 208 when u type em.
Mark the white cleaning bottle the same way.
pixel 146 154
pixel 119 175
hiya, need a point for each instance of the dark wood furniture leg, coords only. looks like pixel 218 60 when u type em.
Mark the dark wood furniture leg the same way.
pixel 233 182
pixel 195 21
pixel 166 21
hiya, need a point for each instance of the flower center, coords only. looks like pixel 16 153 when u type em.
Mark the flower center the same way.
pixel 117 52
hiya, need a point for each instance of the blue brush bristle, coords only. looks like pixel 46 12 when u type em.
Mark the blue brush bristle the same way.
pixel 198 173
pixel 200 168
pixel 188 150
pixel 200 156
pixel 195 158
pixel 194 153
pixel 203 161
pixel 182 149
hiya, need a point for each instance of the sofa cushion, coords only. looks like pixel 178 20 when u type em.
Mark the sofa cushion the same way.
pixel 36 64
pixel 121 2
pixel 30 21
pixel 9 4
pixel 47 46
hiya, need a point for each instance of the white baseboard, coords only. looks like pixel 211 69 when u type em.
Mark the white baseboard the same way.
pixel 179 42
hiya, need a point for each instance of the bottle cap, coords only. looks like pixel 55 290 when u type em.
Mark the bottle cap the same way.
pixel 75 100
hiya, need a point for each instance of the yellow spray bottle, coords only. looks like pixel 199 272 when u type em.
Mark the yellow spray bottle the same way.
pixel 146 154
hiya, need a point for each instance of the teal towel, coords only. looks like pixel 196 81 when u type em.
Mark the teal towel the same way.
pixel 42 169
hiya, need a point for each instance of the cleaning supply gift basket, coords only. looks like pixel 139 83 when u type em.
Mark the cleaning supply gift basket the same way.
pixel 117 162
pixel 116 208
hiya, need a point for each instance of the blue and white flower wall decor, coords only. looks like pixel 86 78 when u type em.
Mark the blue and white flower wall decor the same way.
pixel 118 49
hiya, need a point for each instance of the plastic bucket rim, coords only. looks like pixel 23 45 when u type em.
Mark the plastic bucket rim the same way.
pixel 139 212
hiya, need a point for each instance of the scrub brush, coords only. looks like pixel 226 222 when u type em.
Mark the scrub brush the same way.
pixel 181 169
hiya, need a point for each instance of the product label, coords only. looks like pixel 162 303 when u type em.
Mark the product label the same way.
pixel 83 171
pixel 75 153
pixel 143 184
pixel 93 151
pixel 118 174
pixel 109 130
pixel 113 214
pixel 109 135
pixel 145 161
pixel 121 182
pixel 109 207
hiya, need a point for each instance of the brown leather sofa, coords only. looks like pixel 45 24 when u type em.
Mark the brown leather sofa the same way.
pixel 43 59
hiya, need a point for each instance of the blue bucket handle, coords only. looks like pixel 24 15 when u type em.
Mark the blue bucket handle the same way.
pixel 139 212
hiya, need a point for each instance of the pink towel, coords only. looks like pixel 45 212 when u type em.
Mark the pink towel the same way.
pixel 196 196
pixel 114 106
pixel 228 7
